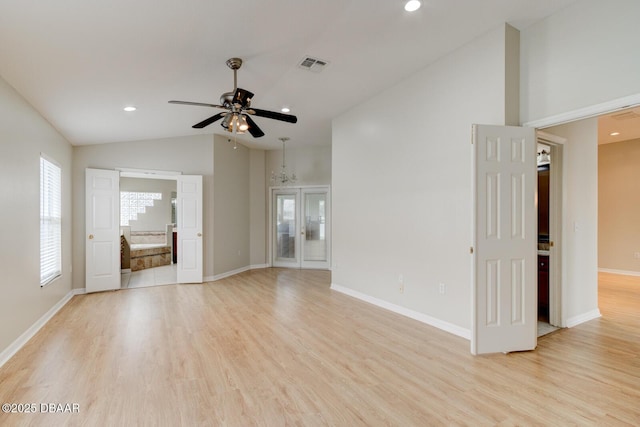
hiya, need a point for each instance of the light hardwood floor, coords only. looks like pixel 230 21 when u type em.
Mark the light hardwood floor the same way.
pixel 277 347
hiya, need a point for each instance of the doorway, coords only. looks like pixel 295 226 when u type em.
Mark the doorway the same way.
pixel 148 229
pixel 549 197
pixel 105 239
pixel 300 227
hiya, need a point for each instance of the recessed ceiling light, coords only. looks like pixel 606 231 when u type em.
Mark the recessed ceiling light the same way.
pixel 285 109
pixel 130 108
pixel 412 5
pixel 614 133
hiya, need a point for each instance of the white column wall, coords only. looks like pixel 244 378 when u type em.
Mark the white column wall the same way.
pixel 401 178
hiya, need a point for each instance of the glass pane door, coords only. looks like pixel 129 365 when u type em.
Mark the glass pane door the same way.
pixel 300 236
pixel 285 228
pixel 315 231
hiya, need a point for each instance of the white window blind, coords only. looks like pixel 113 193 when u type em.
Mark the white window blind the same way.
pixel 50 221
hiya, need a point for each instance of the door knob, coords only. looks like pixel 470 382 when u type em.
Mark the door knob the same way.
pixel 199 234
pixel 90 236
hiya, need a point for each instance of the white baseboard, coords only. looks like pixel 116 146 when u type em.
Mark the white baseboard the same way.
pixel 259 266
pixel 230 273
pixel 208 279
pixel 420 317
pixel 15 346
pixel 585 317
pixel 79 291
pixel 237 271
pixel 622 272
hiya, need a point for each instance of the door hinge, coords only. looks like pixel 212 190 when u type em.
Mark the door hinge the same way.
pixel 471 250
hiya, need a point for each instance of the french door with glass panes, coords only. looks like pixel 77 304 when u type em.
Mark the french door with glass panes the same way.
pixel 300 226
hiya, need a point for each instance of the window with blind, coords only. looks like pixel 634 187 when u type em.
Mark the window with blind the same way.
pixel 50 221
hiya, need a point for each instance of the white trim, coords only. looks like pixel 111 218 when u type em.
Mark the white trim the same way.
pixel 584 113
pixel 622 272
pixel 234 272
pixel 546 137
pixel 79 291
pixel 15 346
pixel 148 173
pixel 230 273
pixel 585 317
pixel 208 279
pixel 420 317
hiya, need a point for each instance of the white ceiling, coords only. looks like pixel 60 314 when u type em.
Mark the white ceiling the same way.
pixel 79 62
pixel 626 123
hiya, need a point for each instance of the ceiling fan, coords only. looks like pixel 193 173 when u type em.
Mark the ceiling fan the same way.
pixel 237 104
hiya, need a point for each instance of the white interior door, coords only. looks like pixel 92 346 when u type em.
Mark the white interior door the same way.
pixel 286 228
pixel 301 227
pixel 315 228
pixel 102 254
pixel 189 226
pixel 505 264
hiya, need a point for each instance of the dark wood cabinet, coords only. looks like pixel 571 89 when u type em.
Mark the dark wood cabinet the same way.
pixel 543 285
pixel 175 248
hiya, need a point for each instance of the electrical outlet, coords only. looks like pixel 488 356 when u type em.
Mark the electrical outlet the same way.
pixel 401 284
pixel 442 289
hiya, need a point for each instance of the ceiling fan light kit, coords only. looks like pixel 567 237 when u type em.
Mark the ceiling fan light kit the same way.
pixel 237 105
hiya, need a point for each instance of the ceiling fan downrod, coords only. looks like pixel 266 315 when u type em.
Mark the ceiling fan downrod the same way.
pixel 234 64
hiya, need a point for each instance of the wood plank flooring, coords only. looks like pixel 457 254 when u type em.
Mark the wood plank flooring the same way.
pixel 277 347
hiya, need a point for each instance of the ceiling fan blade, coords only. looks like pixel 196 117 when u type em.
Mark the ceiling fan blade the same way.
pixel 208 121
pixel 254 130
pixel 274 115
pixel 199 104
pixel 242 97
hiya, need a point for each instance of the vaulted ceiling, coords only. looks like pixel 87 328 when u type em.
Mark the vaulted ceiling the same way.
pixel 79 62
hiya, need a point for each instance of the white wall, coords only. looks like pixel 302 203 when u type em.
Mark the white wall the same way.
pixel 156 217
pixel 231 206
pixel 191 155
pixel 402 182
pixel 583 55
pixel 24 134
pixel 311 164
pixel 580 211
pixel 258 208
pixel 619 206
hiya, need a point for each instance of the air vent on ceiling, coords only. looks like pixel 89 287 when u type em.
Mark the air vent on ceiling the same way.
pixel 625 115
pixel 313 64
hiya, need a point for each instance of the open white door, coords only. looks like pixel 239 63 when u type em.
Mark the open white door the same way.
pixel 102 254
pixel 189 217
pixel 504 274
